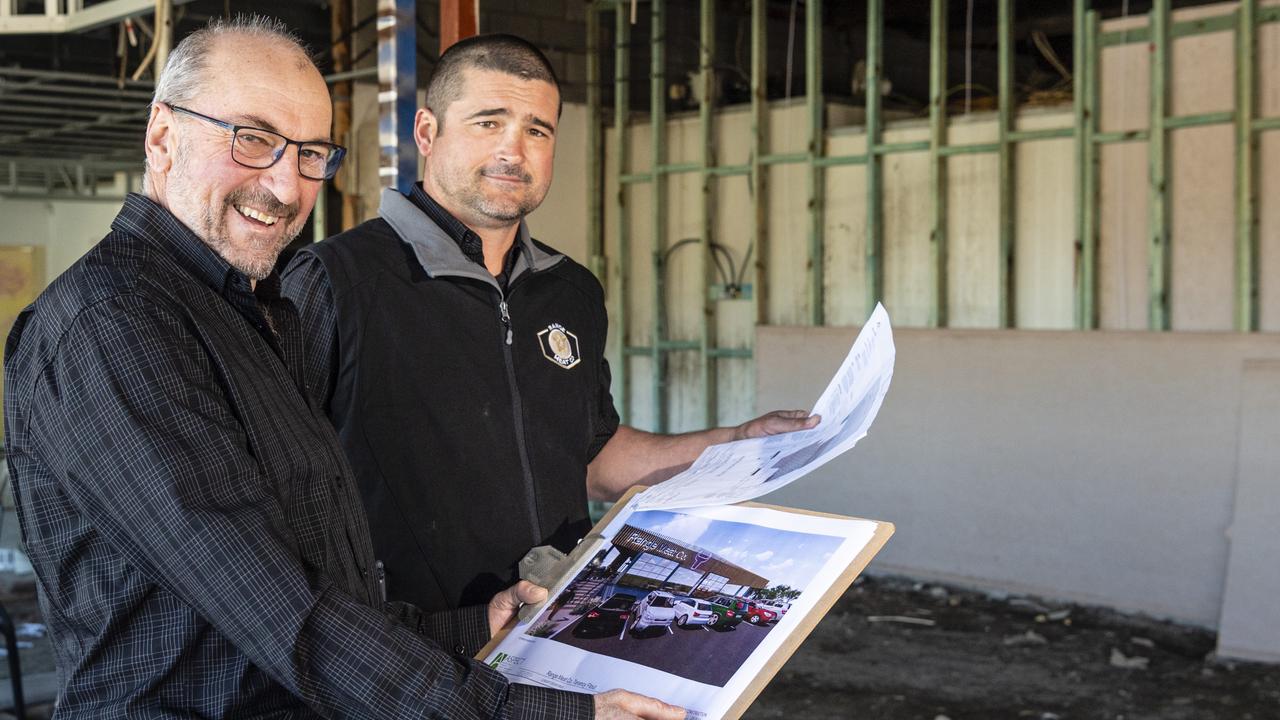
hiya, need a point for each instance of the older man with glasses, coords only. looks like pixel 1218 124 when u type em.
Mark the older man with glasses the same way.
pixel 199 543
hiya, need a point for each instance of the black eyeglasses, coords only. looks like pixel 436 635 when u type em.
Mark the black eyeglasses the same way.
pixel 257 148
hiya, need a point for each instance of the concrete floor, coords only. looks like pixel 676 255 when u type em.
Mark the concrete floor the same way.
pixel 959 655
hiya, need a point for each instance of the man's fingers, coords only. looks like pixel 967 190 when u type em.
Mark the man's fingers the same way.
pixel 803 416
pixel 526 592
pixel 503 606
pixel 624 705
pixel 523 592
pixel 776 423
pixel 784 421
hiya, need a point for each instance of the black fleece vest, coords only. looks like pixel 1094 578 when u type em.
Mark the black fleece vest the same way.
pixel 468 450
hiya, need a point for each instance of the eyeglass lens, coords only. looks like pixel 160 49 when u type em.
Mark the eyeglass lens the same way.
pixel 261 148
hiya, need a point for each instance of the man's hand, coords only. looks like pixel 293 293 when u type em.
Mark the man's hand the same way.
pixel 776 423
pixel 623 705
pixel 504 605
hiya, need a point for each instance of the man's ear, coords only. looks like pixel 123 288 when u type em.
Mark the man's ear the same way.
pixel 160 140
pixel 425 129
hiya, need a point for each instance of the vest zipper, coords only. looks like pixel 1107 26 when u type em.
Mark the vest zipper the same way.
pixel 517 411
pixel 506 318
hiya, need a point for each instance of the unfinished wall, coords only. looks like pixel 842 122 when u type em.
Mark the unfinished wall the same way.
pixel 1202 219
pixel 1119 468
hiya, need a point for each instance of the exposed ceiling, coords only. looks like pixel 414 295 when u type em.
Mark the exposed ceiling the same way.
pixel 73 105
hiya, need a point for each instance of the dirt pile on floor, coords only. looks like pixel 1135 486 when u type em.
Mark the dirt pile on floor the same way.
pixel 895 649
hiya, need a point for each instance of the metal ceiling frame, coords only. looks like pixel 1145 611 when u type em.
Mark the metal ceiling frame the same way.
pixel 69 16
pixel 68 135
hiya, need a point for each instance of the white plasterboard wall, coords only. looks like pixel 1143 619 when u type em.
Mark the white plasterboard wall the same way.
pixel 1097 467
pixel 66 229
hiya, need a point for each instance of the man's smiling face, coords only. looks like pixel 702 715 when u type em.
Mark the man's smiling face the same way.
pixel 246 215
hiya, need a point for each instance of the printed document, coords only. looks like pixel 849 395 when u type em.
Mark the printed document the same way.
pixel 744 469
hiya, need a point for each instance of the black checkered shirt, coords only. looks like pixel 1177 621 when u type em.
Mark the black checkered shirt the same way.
pixel 198 543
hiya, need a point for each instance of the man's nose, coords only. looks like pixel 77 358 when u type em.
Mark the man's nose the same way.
pixel 282 179
pixel 511 147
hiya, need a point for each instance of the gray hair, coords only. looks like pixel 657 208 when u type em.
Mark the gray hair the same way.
pixel 183 73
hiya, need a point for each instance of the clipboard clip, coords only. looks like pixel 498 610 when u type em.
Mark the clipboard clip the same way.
pixel 547 566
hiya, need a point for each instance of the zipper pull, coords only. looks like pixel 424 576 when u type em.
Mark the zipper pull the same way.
pixel 380 571
pixel 506 318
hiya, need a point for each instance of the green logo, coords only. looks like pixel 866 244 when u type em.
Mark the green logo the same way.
pixel 498 660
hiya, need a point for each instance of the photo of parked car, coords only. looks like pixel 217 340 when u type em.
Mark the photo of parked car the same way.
pixel 692 611
pixel 607 618
pixel 759 615
pixel 657 609
pixel 777 608
pixel 657 572
pixel 730 611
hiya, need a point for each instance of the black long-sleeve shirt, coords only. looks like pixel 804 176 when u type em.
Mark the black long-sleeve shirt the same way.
pixel 195 531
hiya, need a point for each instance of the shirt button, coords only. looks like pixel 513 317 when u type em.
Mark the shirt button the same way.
pixel 458 649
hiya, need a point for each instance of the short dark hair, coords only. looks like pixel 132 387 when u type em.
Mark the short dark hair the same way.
pixel 502 53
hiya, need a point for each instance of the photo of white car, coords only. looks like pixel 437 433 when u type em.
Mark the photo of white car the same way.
pixel 657 609
pixel 691 611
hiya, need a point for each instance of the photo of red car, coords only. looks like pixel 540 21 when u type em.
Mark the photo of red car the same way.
pixel 757 615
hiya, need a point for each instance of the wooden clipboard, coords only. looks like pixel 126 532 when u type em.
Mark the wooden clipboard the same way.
pixel 796 637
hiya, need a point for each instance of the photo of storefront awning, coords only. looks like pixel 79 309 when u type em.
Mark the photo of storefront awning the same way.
pixel 647 560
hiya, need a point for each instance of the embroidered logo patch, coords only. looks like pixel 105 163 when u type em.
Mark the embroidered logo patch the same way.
pixel 559 346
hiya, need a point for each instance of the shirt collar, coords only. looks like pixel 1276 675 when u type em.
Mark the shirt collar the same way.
pixel 145 218
pixel 440 255
pixel 468 241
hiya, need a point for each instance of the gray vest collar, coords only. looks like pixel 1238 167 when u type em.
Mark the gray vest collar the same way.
pixel 440 255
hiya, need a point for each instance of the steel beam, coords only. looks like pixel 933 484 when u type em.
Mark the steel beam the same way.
pixel 1188 28
pixel 345 75
pixel 621 114
pixel 101 120
pixel 658 207
pixel 937 162
pixel 105 166
pixel 815 105
pixel 1085 103
pixel 875 210
pixel 760 147
pixel 58 101
pixel 62 76
pixel 457 21
pixel 595 153
pixel 94 16
pixel 1159 250
pixel 1246 306
pixel 54 113
pixel 44 89
pixel 1007 171
pixel 1019 136
pixel 707 234
pixel 163 38
pixel 397 93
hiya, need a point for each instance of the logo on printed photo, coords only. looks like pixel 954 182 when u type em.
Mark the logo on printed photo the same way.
pixel 559 346
pixel 497 660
